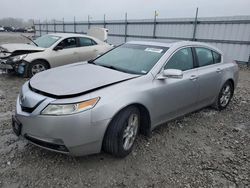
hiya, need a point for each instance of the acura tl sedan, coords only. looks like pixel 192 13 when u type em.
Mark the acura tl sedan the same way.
pixel 50 51
pixel 102 105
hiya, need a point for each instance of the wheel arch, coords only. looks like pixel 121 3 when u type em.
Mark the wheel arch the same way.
pixel 43 60
pixel 232 82
pixel 144 115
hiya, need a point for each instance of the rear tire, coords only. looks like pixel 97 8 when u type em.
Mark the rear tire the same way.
pixel 36 67
pixel 225 96
pixel 122 131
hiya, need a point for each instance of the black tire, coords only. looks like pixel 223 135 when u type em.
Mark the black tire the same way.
pixel 219 105
pixel 44 66
pixel 113 142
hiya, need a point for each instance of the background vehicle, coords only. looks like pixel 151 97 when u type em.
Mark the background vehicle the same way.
pixel 21 30
pixel 85 107
pixel 30 30
pixel 9 29
pixel 2 29
pixel 50 51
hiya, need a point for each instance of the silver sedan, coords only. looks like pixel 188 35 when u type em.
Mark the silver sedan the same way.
pixel 103 104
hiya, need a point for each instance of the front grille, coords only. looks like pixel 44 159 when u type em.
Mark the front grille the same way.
pixel 49 145
pixel 26 109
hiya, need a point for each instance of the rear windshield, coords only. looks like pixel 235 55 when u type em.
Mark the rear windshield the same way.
pixel 132 58
pixel 46 41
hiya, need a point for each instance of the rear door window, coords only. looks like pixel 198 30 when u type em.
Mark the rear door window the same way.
pixel 86 41
pixel 204 56
pixel 181 60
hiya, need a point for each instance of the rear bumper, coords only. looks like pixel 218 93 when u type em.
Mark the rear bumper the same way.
pixel 71 134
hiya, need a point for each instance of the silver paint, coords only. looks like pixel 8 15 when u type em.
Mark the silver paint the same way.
pixel 164 99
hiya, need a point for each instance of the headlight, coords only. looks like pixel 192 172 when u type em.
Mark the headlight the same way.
pixel 67 109
pixel 18 58
pixel 3 49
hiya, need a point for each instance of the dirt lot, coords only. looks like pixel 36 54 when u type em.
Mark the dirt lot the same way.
pixel 8 37
pixel 204 149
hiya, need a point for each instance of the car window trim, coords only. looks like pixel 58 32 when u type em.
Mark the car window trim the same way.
pixel 195 58
pixel 214 58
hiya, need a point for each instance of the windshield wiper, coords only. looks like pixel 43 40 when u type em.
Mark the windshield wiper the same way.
pixel 29 39
pixel 111 67
pixel 91 62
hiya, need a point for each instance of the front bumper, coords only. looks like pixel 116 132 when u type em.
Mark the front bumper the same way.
pixel 19 67
pixel 4 65
pixel 71 134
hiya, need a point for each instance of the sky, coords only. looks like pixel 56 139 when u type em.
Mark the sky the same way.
pixel 116 9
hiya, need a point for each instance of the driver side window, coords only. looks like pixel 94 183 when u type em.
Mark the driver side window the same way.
pixel 181 60
pixel 68 43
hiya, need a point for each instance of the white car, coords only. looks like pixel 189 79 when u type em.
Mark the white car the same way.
pixel 50 51
pixel 2 29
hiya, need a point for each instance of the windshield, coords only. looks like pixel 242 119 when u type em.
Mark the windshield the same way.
pixel 46 41
pixel 132 58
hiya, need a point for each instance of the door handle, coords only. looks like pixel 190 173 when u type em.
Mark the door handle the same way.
pixel 219 70
pixel 74 53
pixel 193 77
pixel 95 50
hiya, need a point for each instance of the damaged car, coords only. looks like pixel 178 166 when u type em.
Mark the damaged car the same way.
pixel 102 105
pixel 48 51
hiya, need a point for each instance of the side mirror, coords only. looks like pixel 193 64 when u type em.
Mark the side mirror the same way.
pixel 58 48
pixel 170 73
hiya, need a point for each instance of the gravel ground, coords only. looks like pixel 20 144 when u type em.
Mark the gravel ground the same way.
pixel 204 149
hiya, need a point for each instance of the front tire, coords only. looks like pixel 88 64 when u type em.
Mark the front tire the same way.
pixel 225 96
pixel 36 67
pixel 122 131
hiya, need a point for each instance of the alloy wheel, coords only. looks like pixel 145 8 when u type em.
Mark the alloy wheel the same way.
pixel 130 131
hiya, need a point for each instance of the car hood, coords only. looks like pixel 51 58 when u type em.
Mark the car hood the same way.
pixel 21 47
pixel 75 80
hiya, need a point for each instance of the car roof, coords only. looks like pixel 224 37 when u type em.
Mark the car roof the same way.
pixel 69 35
pixel 176 44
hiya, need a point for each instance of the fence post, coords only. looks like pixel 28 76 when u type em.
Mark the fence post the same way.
pixel 248 63
pixel 54 25
pixel 34 27
pixel 40 28
pixel 195 24
pixel 63 26
pixel 126 27
pixel 154 30
pixel 104 21
pixel 88 23
pixel 47 28
pixel 74 24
